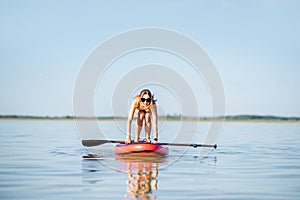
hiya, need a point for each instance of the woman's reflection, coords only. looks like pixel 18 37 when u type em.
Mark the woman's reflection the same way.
pixel 142 180
pixel 142 173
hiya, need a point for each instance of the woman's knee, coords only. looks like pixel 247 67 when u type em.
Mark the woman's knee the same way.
pixel 148 120
pixel 140 118
pixel 139 122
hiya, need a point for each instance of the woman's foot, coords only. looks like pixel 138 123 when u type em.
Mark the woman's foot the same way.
pixel 127 141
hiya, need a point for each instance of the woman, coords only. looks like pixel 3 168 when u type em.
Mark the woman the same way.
pixel 144 105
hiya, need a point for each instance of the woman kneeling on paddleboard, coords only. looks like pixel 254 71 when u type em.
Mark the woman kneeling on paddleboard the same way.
pixel 145 106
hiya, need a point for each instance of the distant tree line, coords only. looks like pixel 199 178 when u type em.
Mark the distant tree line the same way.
pixel 167 117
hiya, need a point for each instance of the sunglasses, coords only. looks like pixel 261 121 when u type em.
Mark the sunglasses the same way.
pixel 147 100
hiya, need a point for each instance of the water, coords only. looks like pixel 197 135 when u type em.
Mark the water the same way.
pixel 42 159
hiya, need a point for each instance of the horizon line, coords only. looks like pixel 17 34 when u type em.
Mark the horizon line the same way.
pixel 225 117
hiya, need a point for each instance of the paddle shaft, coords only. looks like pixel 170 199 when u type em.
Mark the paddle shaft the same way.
pixel 189 145
pixel 90 143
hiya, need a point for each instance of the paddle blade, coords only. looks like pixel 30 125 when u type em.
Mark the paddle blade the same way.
pixel 91 143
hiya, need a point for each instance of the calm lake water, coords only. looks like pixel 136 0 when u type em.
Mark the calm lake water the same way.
pixel 42 159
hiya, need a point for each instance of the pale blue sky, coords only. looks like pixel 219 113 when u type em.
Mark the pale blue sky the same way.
pixel 255 46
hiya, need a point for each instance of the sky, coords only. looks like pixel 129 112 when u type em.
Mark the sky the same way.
pixel 254 45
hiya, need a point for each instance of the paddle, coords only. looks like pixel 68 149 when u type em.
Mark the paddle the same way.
pixel 90 143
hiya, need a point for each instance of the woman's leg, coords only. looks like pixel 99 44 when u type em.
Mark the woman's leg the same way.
pixel 148 126
pixel 139 125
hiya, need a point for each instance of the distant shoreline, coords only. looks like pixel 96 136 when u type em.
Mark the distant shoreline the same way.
pixel 232 118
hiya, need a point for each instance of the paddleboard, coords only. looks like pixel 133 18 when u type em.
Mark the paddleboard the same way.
pixel 141 149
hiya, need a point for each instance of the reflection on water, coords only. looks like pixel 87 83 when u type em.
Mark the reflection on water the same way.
pixel 142 179
pixel 142 173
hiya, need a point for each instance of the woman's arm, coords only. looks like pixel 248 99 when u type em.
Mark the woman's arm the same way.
pixel 129 121
pixel 154 121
